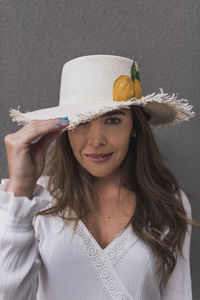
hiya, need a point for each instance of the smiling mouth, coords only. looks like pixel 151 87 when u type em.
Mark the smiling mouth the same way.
pixel 98 156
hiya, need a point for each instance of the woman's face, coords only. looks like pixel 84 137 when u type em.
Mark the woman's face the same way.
pixel 109 133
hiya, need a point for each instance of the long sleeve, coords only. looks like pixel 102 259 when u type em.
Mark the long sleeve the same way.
pixel 19 257
pixel 179 286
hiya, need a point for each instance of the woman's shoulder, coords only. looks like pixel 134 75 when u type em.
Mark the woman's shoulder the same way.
pixel 42 183
pixel 43 222
pixel 186 203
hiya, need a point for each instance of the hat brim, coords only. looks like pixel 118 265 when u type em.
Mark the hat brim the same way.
pixel 163 109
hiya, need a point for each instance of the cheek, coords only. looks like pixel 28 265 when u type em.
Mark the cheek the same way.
pixel 74 141
pixel 121 142
pixel 125 143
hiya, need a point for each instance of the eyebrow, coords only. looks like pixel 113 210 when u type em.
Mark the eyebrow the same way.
pixel 114 112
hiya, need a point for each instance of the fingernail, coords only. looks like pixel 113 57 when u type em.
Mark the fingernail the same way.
pixel 66 121
pixel 59 123
pixel 63 118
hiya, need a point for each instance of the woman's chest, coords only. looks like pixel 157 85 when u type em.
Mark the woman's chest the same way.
pixel 104 233
pixel 124 258
pixel 106 227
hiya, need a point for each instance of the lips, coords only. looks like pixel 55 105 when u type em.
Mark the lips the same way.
pixel 98 155
pixel 99 159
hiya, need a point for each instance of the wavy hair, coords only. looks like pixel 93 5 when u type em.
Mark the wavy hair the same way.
pixel 159 205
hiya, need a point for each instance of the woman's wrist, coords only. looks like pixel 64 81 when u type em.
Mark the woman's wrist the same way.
pixel 19 190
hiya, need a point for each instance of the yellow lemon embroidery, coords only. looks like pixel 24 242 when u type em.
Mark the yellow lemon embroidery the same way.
pixel 126 87
pixel 138 89
pixel 123 88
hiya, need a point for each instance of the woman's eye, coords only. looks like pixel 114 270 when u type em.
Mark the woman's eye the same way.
pixel 114 121
pixel 111 121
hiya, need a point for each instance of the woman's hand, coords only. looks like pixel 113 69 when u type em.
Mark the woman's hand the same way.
pixel 26 160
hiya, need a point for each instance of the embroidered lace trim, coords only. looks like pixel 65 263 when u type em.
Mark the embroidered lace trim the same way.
pixel 103 260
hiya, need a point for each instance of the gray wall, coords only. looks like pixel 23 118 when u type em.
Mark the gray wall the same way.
pixel 38 37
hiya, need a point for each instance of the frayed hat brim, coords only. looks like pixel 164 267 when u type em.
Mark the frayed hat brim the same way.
pixel 163 109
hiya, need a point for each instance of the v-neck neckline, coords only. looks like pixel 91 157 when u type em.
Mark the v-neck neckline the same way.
pixel 111 244
pixel 103 261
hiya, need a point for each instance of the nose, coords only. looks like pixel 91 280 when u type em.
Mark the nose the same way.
pixel 95 134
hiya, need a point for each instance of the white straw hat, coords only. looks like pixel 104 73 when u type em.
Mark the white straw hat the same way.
pixel 95 84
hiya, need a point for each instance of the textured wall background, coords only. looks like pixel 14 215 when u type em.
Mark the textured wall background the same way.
pixel 38 37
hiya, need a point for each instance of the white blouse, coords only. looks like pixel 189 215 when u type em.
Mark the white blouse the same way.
pixel 39 260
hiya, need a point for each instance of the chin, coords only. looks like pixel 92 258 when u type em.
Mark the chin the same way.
pixel 99 174
pixel 104 172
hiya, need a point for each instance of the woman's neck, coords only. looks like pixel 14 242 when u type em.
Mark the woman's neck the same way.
pixel 110 195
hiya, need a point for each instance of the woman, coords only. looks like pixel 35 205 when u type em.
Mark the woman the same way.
pixel 105 172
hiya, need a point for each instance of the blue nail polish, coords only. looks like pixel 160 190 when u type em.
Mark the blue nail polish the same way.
pixel 63 122
pixel 66 121
pixel 63 118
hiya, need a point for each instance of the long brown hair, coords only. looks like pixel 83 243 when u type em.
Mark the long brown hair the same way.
pixel 158 205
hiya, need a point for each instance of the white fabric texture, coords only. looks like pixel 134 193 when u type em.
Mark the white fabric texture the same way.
pixel 39 261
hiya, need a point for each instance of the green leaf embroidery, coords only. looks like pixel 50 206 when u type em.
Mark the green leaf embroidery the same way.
pixel 133 71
